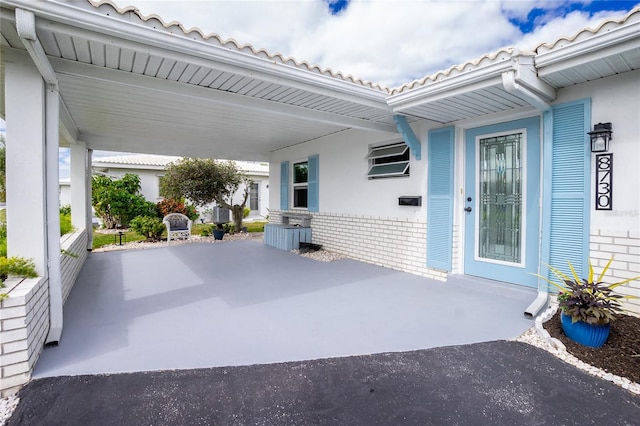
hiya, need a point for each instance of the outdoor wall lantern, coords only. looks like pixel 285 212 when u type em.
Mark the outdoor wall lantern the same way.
pixel 600 137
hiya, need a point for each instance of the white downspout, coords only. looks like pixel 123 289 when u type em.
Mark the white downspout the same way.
pixel 25 24
pixel 510 83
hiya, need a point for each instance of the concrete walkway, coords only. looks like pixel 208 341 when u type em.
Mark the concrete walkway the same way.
pixel 242 303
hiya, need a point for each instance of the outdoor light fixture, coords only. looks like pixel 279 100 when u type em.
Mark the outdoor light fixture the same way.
pixel 600 137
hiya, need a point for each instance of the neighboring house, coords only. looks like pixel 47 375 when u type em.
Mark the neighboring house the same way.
pixel 484 169
pixel 65 192
pixel 150 169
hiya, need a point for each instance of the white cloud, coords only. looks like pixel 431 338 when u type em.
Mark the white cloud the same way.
pixel 387 42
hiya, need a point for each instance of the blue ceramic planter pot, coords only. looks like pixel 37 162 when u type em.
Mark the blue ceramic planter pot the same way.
pixel 218 234
pixel 586 334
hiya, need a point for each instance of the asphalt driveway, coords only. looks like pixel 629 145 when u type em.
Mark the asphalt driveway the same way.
pixel 494 383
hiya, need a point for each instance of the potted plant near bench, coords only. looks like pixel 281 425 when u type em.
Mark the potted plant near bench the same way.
pixel 588 305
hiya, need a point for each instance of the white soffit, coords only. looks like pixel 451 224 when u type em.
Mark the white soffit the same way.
pixel 137 84
pixel 473 89
pixel 461 92
pixel 611 48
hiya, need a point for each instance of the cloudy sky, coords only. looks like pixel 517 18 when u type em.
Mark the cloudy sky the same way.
pixel 390 42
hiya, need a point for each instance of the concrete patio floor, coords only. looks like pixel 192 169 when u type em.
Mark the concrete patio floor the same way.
pixel 243 303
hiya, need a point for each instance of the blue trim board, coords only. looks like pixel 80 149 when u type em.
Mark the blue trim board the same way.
pixel 408 136
pixel 313 181
pixel 566 200
pixel 284 185
pixel 440 180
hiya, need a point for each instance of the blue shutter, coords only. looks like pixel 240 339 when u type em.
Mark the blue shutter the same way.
pixel 313 195
pixel 284 185
pixel 567 171
pixel 440 198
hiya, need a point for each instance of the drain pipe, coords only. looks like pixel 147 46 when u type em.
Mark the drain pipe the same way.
pixel 25 24
pixel 510 83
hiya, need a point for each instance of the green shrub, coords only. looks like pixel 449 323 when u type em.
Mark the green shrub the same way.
pixel 150 227
pixel 191 213
pixel 65 224
pixel 3 240
pixel 65 209
pixel 246 212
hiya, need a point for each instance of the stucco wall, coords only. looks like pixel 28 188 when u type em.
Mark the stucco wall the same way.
pixel 616 100
pixel 344 187
pixel 347 197
pixel 617 232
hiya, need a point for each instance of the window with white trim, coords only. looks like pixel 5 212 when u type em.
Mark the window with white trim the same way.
pixel 388 161
pixel 301 185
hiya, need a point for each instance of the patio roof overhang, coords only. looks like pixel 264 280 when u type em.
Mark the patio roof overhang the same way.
pixel 510 79
pixel 135 84
pixel 474 89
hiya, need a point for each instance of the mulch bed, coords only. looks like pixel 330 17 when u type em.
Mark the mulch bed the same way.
pixel 620 355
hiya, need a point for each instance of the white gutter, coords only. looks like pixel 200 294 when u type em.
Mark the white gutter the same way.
pixel 523 82
pixel 511 86
pixel 25 24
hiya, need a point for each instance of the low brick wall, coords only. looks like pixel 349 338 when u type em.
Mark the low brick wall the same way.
pixel 24 316
pixel 625 247
pixel 390 242
pixel 24 323
pixel 75 245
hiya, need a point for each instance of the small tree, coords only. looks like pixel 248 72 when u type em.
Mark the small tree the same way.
pixel 204 181
pixel 117 201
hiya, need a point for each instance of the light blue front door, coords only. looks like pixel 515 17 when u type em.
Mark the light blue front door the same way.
pixel 502 201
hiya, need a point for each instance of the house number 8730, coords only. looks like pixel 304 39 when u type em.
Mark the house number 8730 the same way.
pixel 604 182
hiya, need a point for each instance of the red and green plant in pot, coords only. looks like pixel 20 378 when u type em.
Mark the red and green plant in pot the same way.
pixel 588 305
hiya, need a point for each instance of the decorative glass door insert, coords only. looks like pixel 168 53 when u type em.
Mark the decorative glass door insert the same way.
pixel 500 187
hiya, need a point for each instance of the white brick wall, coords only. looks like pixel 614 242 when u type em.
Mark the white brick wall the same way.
pixel 625 247
pixel 76 244
pixel 24 316
pixel 390 242
pixel 24 322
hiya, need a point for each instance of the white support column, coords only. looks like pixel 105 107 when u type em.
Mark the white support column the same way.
pixel 78 159
pixel 25 168
pixel 88 189
pixel 52 145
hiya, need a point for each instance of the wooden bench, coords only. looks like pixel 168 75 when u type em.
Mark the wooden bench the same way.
pixel 286 236
pixel 178 226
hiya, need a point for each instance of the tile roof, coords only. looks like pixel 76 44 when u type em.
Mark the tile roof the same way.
pixel 505 53
pixel 605 26
pixel 163 160
pixel 234 45
pixel 137 160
